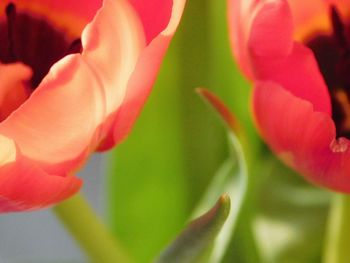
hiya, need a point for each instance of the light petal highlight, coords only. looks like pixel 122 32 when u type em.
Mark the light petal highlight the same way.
pixel 58 122
pixel 142 79
pixel 112 43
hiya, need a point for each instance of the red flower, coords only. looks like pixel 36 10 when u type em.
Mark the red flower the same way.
pixel 74 77
pixel 297 53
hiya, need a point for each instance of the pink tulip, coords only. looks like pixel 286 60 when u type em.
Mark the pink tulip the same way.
pixel 297 54
pixel 74 76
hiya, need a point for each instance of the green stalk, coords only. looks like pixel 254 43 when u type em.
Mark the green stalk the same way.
pixel 88 230
pixel 337 247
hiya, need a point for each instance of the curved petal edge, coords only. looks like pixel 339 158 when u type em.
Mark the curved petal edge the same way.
pixel 302 137
pixel 142 80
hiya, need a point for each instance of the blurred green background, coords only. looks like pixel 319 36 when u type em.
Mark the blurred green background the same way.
pixel 158 175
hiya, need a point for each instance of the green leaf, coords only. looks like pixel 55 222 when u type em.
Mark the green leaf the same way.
pixel 231 178
pixel 196 240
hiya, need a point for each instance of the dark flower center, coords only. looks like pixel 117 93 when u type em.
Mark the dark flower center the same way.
pixel 33 41
pixel 332 53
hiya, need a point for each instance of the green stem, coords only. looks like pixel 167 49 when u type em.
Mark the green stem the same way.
pixel 88 230
pixel 338 235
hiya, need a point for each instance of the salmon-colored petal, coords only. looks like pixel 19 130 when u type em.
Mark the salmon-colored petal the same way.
pixel 29 188
pixel 83 99
pixel 142 79
pixel 14 88
pixel 274 56
pixel 24 186
pixel 302 137
pixel 112 51
pixel 57 123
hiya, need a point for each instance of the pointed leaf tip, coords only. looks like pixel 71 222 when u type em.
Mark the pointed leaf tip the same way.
pixel 196 240
pixel 216 216
pixel 227 116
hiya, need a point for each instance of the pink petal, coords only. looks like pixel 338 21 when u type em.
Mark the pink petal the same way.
pixel 154 15
pixel 23 186
pixel 76 104
pixel 112 43
pixel 128 83
pixel 272 28
pixel 275 57
pixel 58 122
pixel 298 73
pixel 302 137
pixel 240 14
pixel 143 78
pixel 272 24
pixel 139 87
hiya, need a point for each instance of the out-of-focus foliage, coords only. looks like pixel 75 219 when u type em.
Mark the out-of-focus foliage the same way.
pixel 288 218
pixel 290 225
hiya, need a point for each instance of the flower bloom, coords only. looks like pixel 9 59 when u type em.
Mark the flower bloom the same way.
pixel 73 78
pixel 297 53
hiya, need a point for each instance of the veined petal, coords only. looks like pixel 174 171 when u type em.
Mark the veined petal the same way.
pixel 24 186
pixel 298 73
pixel 275 56
pixel 59 121
pixel 84 98
pixel 142 77
pixel 112 43
pixel 302 137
